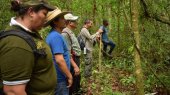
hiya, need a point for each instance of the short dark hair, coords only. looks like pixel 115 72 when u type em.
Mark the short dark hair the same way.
pixel 87 21
pixel 105 21
pixel 52 22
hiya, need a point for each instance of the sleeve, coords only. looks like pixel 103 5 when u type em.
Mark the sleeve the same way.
pixel 57 45
pixel 17 62
pixel 101 27
pixel 67 39
pixel 88 36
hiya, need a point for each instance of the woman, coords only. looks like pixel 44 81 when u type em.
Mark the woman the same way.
pixel 22 73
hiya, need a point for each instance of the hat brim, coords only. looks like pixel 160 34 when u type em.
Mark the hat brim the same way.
pixel 36 3
pixel 58 15
pixel 74 18
pixel 49 7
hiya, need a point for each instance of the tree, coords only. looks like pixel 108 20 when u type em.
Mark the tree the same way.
pixel 137 60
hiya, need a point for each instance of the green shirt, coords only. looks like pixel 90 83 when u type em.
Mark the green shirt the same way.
pixel 17 64
pixel 72 42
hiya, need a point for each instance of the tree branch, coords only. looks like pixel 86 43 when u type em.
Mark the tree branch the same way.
pixel 154 16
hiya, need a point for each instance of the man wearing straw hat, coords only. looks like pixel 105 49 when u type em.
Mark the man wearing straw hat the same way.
pixel 61 57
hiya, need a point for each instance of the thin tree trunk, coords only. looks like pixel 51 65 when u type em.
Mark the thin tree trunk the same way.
pixel 118 26
pixel 110 17
pixel 137 60
pixel 94 12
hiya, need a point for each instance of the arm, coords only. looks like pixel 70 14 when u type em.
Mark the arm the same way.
pixel 100 33
pixel 76 68
pixel 91 37
pixel 87 35
pixel 69 41
pixel 62 65
pixel 15 89
pixel 15 74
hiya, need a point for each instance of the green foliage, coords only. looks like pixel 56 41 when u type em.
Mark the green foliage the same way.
pixel 5 14
pixel 128 80
pixel 154 48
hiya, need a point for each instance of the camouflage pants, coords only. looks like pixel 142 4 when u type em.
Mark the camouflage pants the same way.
pixel 88 64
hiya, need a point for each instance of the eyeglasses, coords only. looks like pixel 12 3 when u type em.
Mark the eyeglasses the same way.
pixel 73 21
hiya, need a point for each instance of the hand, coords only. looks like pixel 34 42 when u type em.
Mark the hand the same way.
pixel 100 31
pixel 98 38
pixel 70 82
pixel 76 71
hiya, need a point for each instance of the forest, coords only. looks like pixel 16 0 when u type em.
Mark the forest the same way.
pixel 141 31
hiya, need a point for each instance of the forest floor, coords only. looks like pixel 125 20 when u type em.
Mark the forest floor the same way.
pixel 108 79
pixel 115 77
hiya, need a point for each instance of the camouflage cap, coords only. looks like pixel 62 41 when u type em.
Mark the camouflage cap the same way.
pixel 37 2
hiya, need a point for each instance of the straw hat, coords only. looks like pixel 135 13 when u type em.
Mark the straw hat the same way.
pixel 54 14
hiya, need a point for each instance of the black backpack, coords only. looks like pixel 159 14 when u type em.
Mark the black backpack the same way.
pixel 28 38
pixel 81 42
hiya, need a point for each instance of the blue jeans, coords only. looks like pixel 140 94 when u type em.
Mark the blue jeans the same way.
pixel 108 43
pixel 62 88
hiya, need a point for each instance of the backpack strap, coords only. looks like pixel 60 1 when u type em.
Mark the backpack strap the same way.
pixel 68 36
pixel 72 52
pixel 28 38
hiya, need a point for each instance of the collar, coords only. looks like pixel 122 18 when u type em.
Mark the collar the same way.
pixel 14 22
pixel 69 29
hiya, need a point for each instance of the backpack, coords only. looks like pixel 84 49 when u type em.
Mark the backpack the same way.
pixel 28 38
pixel 81 42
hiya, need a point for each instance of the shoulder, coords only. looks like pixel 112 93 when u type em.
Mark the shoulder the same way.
pixel 15 42
pixel 84 30
pixel 54 35
pixel 66 30
pixel 101 27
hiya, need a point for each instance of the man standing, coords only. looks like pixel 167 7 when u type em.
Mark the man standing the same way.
pixel 74 50
pixel 60 52
pixel 89 40
pixel 105 38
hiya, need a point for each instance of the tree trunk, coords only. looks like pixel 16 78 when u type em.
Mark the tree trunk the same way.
pixel 137 60
pixel 118 26
pixel 94 12
pixel 110 17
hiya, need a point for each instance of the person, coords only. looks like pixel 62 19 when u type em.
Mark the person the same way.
pixel 58 45
pixel 21 73
pixel 89 41
pixel 105 39
pixel 74 50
